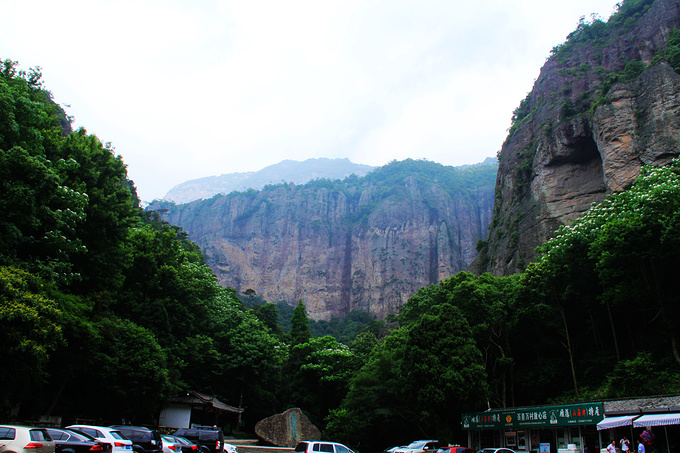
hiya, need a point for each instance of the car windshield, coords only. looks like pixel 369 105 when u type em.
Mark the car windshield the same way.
pixel 416 444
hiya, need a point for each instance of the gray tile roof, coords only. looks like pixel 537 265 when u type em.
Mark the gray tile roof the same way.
pixel 670 403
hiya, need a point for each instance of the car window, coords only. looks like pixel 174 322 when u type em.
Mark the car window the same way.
pixel 81 437
pixel 39 434
pixel 7 433
pixel 328 448
pixel 342 449
pixel 57 435
pixel 116 435
pixel 302 446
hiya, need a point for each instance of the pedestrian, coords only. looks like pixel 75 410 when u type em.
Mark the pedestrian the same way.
pixel 641 447
pixel 625 445
pixel 612 447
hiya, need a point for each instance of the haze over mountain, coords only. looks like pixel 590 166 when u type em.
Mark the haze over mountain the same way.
pixel 286 171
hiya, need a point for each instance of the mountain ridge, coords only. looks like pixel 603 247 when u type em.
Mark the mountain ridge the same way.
pixel 297 172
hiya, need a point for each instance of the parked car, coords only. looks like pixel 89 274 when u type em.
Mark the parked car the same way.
pixel 391 450
pixel 187 445
pixel 211 438
pixel 119 443
pixel 455 449
pixel 230 448
pixel 171 444
pixel 69 441
pixel 325 447
pixel 496 450
pixel 25 439
pixel 144 440
pixel 419 446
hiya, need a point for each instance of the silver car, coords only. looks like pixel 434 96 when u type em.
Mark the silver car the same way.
pixel 25 439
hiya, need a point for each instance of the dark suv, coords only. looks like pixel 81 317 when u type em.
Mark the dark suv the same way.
pixel 213 439
pixel 144 440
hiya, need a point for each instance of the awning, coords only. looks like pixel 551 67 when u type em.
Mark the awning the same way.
pixel 616 422
pixel 672 418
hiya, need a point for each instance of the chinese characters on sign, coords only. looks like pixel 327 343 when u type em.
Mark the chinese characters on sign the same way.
pixel 567 415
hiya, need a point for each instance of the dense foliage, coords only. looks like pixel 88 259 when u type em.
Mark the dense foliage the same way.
pixel 100 301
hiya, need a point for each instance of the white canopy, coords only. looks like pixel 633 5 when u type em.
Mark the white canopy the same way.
pixel 671 418
pixel 615 422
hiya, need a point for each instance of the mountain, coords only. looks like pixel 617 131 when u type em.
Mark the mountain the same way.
pixel 607 101
pixel 362 243
pixel 286 171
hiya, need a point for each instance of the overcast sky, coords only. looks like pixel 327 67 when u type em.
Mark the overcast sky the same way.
pixel 193 88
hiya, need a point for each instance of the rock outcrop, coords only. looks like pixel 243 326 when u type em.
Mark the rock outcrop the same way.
pixel 578 137
pixel 360 244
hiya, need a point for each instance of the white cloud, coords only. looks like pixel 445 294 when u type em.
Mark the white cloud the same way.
pixel 185 90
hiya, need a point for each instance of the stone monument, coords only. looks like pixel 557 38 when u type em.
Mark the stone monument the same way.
pixel 287 429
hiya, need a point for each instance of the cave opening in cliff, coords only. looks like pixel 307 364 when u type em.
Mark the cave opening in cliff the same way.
pixel 585 151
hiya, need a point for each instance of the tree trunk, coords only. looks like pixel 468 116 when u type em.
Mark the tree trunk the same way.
pixel 568 345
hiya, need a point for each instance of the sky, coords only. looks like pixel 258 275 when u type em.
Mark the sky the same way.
pixel 185 89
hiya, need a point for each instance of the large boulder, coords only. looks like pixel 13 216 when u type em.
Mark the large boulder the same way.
pixel 287 429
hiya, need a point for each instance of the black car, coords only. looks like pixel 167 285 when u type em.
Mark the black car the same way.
pixel 144 440
pixel 213 439
pixel 69 441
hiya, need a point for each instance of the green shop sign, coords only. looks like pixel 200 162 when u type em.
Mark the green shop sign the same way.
pixel 535 417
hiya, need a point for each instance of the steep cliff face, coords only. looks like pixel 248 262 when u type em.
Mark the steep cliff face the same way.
pixel 361 244
pixel 598 112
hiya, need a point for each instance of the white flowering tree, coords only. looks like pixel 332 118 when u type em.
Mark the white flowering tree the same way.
pixel 619 259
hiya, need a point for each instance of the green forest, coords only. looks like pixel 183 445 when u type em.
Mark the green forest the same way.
pixel 106 310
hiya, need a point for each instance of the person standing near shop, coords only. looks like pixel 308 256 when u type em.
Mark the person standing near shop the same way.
pixel 612 447
pixel 625 445
pixel 641 447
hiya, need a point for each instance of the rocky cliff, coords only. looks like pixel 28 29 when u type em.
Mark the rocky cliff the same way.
pixel 603 106
pixel 358 244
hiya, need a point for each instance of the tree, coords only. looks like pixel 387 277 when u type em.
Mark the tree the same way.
pixel 322 378
pixel 102 178
pixel 39 216
pixel 299 331
pixel 442 370
pixel 30 330
pixel 376 412
pixel 128 361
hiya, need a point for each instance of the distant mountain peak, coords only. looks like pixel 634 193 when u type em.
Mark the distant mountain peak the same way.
pixel 288 170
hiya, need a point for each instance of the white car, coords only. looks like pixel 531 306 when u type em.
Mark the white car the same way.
pixel 229 448
pixel 119 443
pixel 25 439
pixel 419 446
pixel 171 444
pixel 307 446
